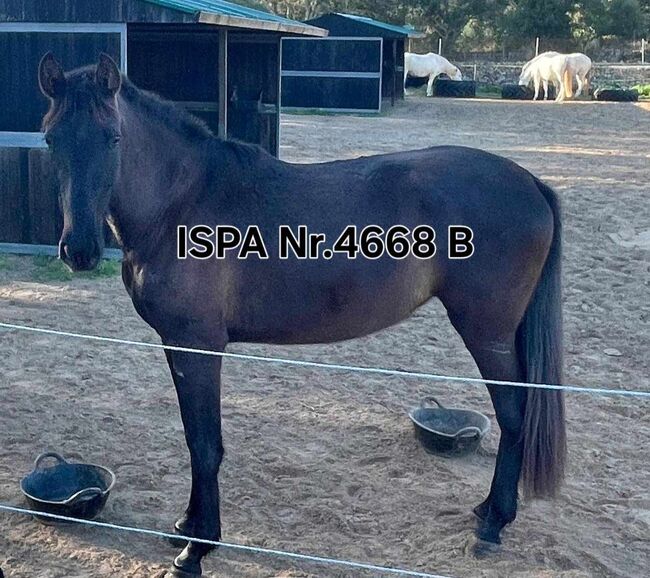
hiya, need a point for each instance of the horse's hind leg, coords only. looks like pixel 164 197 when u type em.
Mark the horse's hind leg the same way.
pixel 491 341
pixel 197 381
pixel 579 81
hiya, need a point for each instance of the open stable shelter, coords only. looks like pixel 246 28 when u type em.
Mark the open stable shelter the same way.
pixel 220 60
pixel 394 43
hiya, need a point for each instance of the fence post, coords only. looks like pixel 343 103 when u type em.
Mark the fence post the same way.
pixel 439 45
pixel 536 45
pixel 475 72
pixel 643 43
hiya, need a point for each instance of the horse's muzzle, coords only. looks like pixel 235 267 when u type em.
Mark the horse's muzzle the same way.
pixel 79 254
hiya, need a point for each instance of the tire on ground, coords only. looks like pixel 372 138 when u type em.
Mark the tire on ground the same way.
pixel 516 92
pixel 519 92
pixel 616 95
pixel 454 88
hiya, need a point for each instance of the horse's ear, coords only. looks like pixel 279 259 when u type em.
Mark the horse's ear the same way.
pixel 51 77
pixel 108 76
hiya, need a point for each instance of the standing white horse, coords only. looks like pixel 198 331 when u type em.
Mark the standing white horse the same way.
pixel 431 65
pixel 544 68
pixel 560 70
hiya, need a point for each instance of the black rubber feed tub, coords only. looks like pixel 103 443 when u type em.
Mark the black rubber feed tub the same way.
pixel 66 489
pixel 448 431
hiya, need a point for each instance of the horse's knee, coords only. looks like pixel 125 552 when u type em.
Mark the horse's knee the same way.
pixel 208 457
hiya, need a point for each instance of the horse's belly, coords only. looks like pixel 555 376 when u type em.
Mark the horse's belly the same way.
pixel 326 311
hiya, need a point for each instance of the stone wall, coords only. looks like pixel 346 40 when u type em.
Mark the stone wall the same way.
pixel 602 75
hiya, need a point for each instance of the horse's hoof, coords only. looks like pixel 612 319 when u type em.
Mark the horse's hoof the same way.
pixel 175 572
pixel 178 542
pixel 488 534
pixel 481 511
pixel 483 548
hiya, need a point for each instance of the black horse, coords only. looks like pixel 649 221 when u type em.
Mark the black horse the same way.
pixel 147 167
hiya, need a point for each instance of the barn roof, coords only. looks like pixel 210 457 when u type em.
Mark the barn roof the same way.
pixel 233 15
pixel 407 30
pixel 342 24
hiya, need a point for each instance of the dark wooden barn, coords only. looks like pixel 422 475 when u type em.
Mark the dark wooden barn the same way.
pixel 220 60
pixel 395 43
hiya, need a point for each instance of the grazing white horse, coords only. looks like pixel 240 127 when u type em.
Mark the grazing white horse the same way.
pixel 560 70
pixel 578 67
pixel 544 68
pixel 431 65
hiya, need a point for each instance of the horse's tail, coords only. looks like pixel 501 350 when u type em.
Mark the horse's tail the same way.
pixel 539 346
pixel 568 81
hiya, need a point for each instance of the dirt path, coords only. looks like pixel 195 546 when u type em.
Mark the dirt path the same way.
pixel 326 463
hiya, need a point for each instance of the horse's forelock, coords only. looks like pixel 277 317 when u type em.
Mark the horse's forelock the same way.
pixel 82 94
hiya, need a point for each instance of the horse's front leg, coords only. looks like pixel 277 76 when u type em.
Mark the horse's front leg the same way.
pixel 545 83
pixel 561 92
pixel 197 381
pixel 432 77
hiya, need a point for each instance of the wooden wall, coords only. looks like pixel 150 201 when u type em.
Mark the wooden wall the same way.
pixel 253 89
pixel 182 65
pixel 22 104
pixel 393 69
pixel 29 212
pixel 351 57
pixel 88 11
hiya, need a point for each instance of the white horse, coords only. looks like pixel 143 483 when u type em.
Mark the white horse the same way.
pixel 578 67
pixel 544 68
pixel 559 69
pixel 431 65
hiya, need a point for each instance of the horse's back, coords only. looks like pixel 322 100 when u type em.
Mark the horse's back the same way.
pixel 434 185
pixel 424 64
pixel 579 62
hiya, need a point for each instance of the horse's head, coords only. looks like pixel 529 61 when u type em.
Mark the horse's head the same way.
pixel 455 73
pixel 525 76
pixel 82 130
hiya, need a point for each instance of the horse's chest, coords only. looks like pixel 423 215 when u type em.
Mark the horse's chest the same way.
pixel 152 294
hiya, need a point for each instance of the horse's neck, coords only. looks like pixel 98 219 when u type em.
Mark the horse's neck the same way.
pixel 159 169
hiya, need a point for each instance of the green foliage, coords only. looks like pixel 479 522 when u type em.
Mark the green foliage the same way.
pixel 479 25
pixel 642 89
pixel 4 263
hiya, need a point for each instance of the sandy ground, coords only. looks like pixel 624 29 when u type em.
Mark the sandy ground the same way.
pixel 325 463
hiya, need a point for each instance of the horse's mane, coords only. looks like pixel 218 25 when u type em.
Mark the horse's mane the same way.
pixel 227 162
pixel 170 114
pixel 175 117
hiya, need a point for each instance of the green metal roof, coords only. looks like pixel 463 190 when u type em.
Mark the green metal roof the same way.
pixel 407 30
pixel 224 13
